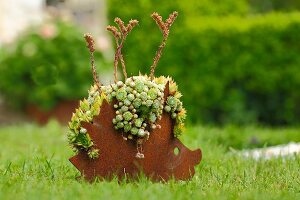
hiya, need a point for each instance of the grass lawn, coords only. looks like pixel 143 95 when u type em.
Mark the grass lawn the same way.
pixel 34 165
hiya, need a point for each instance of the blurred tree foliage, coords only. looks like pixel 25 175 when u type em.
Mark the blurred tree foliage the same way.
pixel 47 65
pixel 263 6
pixel 230 66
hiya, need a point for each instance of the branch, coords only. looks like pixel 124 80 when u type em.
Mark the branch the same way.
pixel 121 34
pixel 165 29
pixel 90 45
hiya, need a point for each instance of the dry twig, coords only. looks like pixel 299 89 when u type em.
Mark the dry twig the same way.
pixel 91 46
pixel 165 29
pixel 120 34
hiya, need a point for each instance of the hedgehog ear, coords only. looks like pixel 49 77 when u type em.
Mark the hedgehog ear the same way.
pixel 167 91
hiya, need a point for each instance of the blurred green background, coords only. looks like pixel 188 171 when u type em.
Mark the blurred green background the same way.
pixel 235 61
pixel 44 70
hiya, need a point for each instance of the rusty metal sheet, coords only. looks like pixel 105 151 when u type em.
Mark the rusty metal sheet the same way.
pixel 117 157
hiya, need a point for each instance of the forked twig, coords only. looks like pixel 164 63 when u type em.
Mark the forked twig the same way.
pixel 120 34
pixel 91 46
pixel 165 29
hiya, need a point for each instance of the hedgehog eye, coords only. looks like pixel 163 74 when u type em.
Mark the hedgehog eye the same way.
pixel 176 151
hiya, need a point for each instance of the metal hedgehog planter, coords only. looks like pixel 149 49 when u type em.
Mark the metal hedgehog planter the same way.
pixel 129 127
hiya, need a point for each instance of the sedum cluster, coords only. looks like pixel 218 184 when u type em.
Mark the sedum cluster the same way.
pixel 139 104
pixel 88 108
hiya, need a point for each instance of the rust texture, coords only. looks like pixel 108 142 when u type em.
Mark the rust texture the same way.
pixel 117 157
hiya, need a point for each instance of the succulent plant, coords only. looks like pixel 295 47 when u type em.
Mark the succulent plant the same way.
pixel 138 100
pixel 93 153
pixel 127 116
pixel 140 104
pixel 78 137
